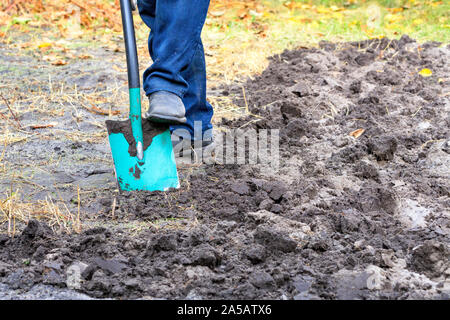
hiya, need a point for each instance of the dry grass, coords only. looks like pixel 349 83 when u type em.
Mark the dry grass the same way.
pixel 56 214
pixel 224 107
pixel 50 101
pixel 54 102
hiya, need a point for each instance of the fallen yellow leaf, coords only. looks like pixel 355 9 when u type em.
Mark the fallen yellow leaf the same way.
pixel 85 56
pixel 395 10
pixel 392 18
pixel 323 10
pixel 55 60
pixel 425 72
pixel 44 45
pixel 357 133
pixel 59 62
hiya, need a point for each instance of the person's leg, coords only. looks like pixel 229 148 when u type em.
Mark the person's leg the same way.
pixel 198 111
pixel 178 57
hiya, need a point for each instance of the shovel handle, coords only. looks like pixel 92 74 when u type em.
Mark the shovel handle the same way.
pixel 130 44
pixel 133 75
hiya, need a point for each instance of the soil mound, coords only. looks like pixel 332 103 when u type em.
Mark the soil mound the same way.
pixel 358 209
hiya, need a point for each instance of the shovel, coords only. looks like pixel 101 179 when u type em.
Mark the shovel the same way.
pixel 143 159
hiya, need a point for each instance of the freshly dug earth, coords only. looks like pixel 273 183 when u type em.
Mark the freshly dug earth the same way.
pixel 347 216
pixel 124 127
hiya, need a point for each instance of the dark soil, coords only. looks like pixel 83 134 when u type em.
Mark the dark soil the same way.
pixel 150 130
pixel 343 218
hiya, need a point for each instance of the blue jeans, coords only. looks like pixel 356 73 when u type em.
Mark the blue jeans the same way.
pixel 176 49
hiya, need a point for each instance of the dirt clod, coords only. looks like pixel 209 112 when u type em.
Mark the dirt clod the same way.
pixel 274 240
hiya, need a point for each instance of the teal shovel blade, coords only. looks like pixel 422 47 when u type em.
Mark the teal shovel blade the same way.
pixel 157 171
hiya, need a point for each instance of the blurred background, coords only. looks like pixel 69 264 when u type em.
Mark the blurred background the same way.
pixel 239 35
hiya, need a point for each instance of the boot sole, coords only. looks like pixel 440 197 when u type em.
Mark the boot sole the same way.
pixel 166 120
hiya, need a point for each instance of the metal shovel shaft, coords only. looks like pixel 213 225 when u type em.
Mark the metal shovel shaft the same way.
pixel 133 76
